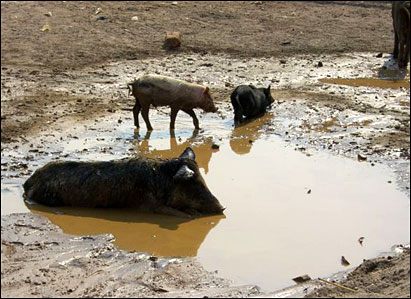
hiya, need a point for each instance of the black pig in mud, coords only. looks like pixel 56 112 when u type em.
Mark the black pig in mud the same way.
pixel 173 187
pixel 250 101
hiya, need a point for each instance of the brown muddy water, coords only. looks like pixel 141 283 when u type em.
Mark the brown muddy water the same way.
pixel 288 213
pixel 369 82
pixel 386 77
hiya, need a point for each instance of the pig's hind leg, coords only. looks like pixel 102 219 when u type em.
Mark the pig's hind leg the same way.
pixel 136 112
pixel 173 116
pixel 238 110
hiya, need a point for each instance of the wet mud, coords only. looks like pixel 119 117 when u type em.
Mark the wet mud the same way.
pixel 302 178
pixel 64 265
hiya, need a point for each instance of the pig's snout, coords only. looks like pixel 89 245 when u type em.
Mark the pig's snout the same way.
pixel 211 109
pixel 218 208
pixel 211 207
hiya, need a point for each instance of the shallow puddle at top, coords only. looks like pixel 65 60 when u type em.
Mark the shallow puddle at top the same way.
pixel 286 214
pixel 369 82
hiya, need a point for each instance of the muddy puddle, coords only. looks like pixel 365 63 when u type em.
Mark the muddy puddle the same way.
pixel 369 82
pixel 294 207
pixel 289 212
pixel 384 77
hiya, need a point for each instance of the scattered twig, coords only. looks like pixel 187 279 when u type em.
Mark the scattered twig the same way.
pixel 336 285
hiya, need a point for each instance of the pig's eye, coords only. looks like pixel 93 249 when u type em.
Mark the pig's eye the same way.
pixel 184 173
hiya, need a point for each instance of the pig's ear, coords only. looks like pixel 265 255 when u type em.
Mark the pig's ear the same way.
pixel 189 154
pixel 184 173
pixel 206 90
pixel 269 86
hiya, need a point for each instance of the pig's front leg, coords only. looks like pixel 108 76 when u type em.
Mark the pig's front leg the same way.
pixel 144 113
pixel 136 111
pixel 194 117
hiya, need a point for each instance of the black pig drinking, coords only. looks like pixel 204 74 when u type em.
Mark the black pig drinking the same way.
pixel 173 186
pixel 250 101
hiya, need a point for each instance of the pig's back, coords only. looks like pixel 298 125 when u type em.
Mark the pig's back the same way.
pixel 123 183
pixel 162 90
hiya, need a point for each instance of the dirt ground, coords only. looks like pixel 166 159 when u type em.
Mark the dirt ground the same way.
pixel 248 29
pixel 383 277
pixel 241 29
pixel 57 79
pixel 62 265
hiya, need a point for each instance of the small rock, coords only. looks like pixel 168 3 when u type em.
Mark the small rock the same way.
pixel 344 261
pixel 101 18
pixel 173 40
pixel 379 55
pixel 135 18
pixel 98 10
pixel 301 279
pixel 361 157
pixel 361 240
pixel 49 14
pixel 320 64
pixel 174 3
pixel 46 28
pixel 283 61
pixel 309 191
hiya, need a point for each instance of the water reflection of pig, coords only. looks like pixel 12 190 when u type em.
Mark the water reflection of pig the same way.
pixel 156 234
pixel 173 186
pixel 202 147
pixel 243 136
